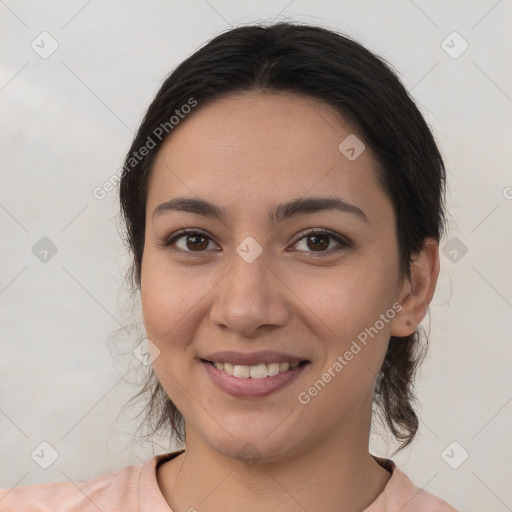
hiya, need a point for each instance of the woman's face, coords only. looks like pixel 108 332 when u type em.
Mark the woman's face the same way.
pixel 252 282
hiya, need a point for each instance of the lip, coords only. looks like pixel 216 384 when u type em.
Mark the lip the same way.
pixel 252 358
pixel 255 388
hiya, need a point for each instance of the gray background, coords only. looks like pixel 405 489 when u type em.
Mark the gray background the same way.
pixel 67 121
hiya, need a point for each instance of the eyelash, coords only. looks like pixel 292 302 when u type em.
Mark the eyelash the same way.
pixel 342 241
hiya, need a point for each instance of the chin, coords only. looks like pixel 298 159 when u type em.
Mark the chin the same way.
pixel 252 448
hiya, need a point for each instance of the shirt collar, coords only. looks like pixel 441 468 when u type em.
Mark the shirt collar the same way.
pixel 399 490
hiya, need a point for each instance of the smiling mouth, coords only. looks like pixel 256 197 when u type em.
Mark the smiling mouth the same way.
pixel 258 371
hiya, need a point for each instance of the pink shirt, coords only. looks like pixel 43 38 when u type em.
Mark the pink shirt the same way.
pixel 135 489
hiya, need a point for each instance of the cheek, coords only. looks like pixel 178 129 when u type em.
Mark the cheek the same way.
pixel 167 302
pixel 352 307
pixel 171 297
pixel 345 301
pixel 352 355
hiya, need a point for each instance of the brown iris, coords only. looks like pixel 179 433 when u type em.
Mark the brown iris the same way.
pixel 200 242
pixel 318 245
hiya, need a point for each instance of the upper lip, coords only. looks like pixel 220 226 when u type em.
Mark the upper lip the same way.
pixel 252 358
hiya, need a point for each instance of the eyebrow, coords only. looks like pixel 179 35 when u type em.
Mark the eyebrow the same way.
pixel 283 211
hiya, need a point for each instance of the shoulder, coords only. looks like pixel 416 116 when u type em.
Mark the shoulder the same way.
pixel 109 491
pixel 400 494
pixel 423 501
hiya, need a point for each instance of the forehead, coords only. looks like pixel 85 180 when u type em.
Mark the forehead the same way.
pixel 255 148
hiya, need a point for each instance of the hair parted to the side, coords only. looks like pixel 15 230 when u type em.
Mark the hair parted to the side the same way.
pixel 324 65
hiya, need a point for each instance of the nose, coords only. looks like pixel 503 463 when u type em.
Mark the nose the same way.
pixel 250 298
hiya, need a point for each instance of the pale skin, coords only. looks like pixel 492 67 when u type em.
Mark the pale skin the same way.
pixel 246 154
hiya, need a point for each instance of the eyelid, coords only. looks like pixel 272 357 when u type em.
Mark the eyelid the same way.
pixel 323 231
pixel 342 241
pixel 171 239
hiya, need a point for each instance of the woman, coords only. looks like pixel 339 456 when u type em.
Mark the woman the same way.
pixel 284 202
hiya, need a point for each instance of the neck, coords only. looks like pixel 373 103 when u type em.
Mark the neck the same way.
pixel 338 475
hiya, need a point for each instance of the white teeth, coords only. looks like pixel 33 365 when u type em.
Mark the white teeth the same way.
pixel 244 372
pixel 272 369
pixel 259 371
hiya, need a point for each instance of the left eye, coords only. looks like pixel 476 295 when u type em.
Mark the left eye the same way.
pixel 320 239
pixel 196 242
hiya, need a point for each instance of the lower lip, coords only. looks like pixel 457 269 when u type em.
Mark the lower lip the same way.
pixel 250 387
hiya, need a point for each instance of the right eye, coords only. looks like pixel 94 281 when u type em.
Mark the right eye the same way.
pixel 190 241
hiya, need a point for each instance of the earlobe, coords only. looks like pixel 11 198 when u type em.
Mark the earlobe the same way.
pixel 417 292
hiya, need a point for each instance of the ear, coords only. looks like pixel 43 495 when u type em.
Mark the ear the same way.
pixel 417 292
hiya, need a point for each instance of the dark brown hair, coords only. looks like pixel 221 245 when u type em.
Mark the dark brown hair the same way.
pixel 319 63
